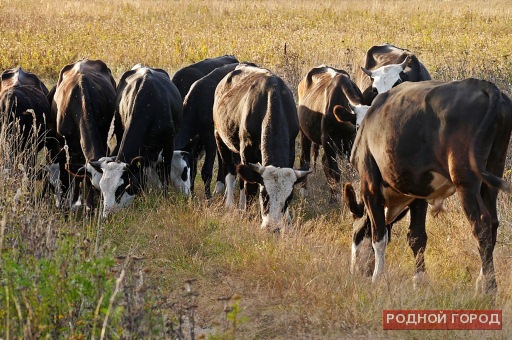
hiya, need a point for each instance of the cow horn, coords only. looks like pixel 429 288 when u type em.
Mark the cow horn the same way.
pixel 368 72
pixel 302 173
pixel 96 164
pixel 257 167
pixel 405 62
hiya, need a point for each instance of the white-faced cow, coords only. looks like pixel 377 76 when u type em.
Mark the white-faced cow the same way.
pixel 330 107
pixel 256 121
pixel 422 142
pixel 23 98
pixel 82 106
pixel 386 66
pixel 149 113
pixel 185 77
pixel 198 124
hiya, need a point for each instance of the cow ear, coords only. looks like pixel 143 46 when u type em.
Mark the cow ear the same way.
pixel 97 165
pixel 302 175
pixel 349 196
pixel 343 116
pixel 368 72
pixel 249 174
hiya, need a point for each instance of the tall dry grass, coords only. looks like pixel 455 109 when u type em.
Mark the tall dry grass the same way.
pixel 297 286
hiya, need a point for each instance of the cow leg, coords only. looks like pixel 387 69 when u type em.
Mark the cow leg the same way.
pixel 481 221
pixel 374 203
pixel 88 194
pixel 249 154
pixel 331 170
pixel 305 153
pixel 220 184
pixel 229 168
pixel 316 150
pixel 417 237
pixel 207 170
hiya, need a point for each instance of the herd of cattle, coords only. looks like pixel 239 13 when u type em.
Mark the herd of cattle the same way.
pixel 412 140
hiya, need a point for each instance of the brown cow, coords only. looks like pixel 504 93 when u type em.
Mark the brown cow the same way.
pixel 422 142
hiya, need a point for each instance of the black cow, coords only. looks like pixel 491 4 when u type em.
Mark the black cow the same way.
pixel 198 121
pixel 149 112
pixel 23 98
pixel 185 77
pixel 82 106
pixel 255 120
pixel 386 66
pixel 422 142
pixel 326 97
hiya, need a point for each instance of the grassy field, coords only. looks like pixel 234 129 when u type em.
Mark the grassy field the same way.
pixel 169 266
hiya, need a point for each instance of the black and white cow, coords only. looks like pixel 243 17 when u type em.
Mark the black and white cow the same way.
pixel 185 77
pixel 198 121
pixel 330 108
pixel 385 66
pixel 256 121
pixel 148 115
pixel 420 143
pixel 23 98
pixel 82 108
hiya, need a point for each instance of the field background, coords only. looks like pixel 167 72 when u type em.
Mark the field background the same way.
pixel 59 273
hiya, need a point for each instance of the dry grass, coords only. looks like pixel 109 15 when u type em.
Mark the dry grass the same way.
pixel 297 286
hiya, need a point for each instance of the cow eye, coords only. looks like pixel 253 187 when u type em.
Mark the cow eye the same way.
pixel 184 174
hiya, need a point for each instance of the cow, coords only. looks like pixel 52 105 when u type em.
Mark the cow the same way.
pixel 23 98
pixel 185 77
pixel 198 121
pixel 149 112
pixel 330 108
pixel 82 109
pixel 256 123
pixel 419 144
pixel 386 66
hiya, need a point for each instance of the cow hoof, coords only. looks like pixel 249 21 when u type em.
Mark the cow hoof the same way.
pixel 303 192
pixel 219 188
pixel 485 286
pixel 419 280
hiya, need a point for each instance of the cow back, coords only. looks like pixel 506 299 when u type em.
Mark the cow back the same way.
pixel 83 103
pixel 255 108
pixel 149 107
pixel 185 77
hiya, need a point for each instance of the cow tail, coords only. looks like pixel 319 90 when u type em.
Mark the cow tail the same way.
pixel 476 149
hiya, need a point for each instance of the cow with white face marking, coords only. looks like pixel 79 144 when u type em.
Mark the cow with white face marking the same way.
pixel 148 115
pixel 419 144
pixel 256 121
pixel 330 109
pixel 386 66
pixel 82 106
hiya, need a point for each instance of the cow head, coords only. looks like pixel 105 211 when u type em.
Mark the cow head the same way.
pixel 180 171
pixel 276 188
pixel 387 76
pixel 94 170
pixel 355 115
pixel 119 182
pixel 363 258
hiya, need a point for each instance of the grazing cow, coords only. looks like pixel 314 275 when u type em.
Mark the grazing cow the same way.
pixel 185 77
pixel 23 97
pixel 149 111
pixel 422 142
pixel 82 106
pixel 330 107
pixel 256 121
pixel 386 66
pixel 198 121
